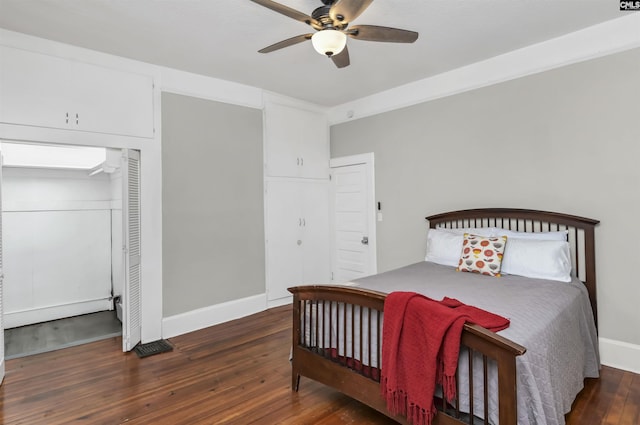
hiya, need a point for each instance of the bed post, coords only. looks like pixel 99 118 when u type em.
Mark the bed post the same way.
pixel 590 265
pixel 295 375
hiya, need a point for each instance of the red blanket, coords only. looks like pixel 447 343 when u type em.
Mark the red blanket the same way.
pixel 420 347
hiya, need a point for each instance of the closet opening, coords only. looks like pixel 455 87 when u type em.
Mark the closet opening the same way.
pixel 62 246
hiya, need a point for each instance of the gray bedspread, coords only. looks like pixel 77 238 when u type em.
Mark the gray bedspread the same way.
pixel 553 320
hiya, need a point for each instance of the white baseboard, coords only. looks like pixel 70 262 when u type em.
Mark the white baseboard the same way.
pixel 620 355
pixel 45 314
pixel 208 316
pixel 280 301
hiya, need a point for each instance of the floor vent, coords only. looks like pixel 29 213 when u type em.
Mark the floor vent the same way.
pixel 151 348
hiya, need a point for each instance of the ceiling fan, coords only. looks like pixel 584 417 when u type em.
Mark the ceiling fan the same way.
pixel 331 22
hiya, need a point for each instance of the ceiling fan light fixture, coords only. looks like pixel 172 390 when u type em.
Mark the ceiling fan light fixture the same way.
pixel 329 41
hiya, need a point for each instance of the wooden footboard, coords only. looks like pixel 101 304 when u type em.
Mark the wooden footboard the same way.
pixel 337 340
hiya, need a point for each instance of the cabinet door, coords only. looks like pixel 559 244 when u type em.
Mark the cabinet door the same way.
pixel 313 148
pixel 284 238
pixel 297 143
pixel 47 91
pixel 316 260
pixel 282 134
pixel 33 89
pixel 111 101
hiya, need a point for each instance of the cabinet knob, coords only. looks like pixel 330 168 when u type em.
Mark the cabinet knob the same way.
pixel 299 242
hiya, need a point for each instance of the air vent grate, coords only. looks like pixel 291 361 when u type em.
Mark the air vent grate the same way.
pixel 151 348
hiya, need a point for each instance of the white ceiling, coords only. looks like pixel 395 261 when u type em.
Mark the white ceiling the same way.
pixel 220 38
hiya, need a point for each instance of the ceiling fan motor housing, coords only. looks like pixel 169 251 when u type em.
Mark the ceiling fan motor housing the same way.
pixel 321 14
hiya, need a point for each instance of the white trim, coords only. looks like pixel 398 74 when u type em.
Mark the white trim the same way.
pixel 279 302
pixel 209 316
pixel 599 40
pixel 344 161
pixel 279 99
pixel 195 85
pixel 368 160
pixel 619 354
pixel 55 205
pixel 44 314
pixel 54 48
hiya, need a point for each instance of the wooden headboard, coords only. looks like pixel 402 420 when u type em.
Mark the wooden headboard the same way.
pixel 581 235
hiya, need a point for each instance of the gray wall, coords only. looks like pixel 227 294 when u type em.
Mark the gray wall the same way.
pixel 564 140
pixel 212 203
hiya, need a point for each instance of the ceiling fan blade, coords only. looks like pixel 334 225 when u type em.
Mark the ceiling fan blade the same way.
pixel 287 11
pixel 341 59
pixel 286 43
pixel 376 33
pixel 348 10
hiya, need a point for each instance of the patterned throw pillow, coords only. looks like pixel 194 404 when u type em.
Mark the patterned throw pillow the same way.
pixel 482 254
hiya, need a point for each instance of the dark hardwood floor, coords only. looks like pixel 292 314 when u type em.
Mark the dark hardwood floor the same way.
pixel 234 373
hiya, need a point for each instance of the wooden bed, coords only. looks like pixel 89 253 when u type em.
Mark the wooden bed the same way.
pixel 353 378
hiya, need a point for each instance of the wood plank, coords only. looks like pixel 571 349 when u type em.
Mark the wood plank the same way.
pixel 630 414
pixel 234 373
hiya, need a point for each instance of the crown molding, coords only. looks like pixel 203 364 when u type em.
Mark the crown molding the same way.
pixel 604 39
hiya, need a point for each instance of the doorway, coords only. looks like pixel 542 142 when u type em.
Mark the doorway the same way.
pixel 63 227
pixel 353 217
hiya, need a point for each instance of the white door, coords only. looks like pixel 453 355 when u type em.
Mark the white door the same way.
pixel 316 245
pixel 284 238
pixel 131 321
pixel 353 218
pixel 1 284
pixel 297 235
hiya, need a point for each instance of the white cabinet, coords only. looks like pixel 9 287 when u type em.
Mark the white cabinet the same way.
pixel 297 142
pixel 47 91
pixel 297 230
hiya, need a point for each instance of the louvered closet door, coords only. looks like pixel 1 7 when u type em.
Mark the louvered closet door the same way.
pixel 1 284
pixel 131 323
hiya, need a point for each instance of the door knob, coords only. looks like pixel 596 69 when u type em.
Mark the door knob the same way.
pixel 365 240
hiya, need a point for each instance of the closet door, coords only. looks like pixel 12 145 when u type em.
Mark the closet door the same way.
pixel 284 238
pixel 316 265
pixel 131 323
pixel 1 284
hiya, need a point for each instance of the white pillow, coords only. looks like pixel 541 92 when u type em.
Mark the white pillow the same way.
pixel 444 247
pixel 479 231
pixel 540 259
pixel 542 236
